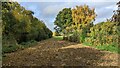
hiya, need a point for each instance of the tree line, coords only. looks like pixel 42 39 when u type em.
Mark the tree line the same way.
pixel 20 28
pixel 20 24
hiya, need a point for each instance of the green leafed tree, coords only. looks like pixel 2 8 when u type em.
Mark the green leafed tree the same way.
pixel 63 20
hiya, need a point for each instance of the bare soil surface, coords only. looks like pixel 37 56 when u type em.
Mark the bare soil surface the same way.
pixel 53 52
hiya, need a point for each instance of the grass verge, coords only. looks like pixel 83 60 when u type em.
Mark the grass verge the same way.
pixel 58 37
pixel 111 48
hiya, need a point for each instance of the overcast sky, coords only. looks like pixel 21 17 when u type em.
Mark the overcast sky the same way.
pixel 47 11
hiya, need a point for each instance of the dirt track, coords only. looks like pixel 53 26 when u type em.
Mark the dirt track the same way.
pixel 61 53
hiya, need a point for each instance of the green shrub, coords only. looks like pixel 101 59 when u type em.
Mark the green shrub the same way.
pixel 10 48
pixel 104 33
pixel 75 37
pixel 104 36
pixel 10 45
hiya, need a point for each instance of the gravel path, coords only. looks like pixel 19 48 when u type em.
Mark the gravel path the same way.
pixel 61 53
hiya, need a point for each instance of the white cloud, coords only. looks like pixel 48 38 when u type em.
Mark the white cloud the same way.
pixel 114 7
pixel 47 11
pixel 54 9
pixel 65 0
